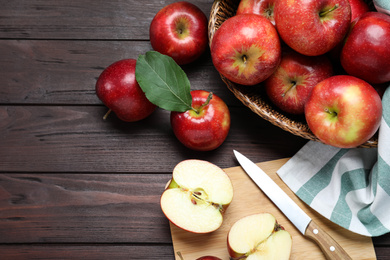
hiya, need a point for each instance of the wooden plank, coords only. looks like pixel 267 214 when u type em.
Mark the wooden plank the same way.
pixel 82 208
pixel 85 208
pixel 65 72
pixel 86 252
pixel 88 19
pixel 249 199
pixel 77 139
pixel 382 253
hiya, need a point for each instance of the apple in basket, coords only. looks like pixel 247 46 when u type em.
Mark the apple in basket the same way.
pixel 291 84
pixel 312 27
pixel 259 236
pixel 366 52
pixel 197 196
pixel 206 126
pixel 343 111
pixel 118 89
pixel 261 7
pixel 246 49
pixel 179 30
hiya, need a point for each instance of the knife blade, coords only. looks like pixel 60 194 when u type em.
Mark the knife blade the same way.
pixel 302 221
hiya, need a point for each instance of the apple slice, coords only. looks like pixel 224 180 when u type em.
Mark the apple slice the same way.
pixel 259 236
pixel 197 196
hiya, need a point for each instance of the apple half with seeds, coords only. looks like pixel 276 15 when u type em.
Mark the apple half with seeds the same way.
pixel 259 236
pixel 197 196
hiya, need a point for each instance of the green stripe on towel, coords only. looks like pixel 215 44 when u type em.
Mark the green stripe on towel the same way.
pixel 318 182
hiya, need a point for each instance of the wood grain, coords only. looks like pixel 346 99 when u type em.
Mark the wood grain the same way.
pixel 88 19
pixel 331 249
pixel 65 72
pixel 82 208
pixel 86 252
pixel 249 199
pixel 77 139
pixel 72 185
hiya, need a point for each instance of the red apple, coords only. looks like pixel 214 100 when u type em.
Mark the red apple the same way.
pixel 358 8
pixel 260 7
pixel 207 257
pixel 246 49
pixel 291 84
pixel 205 127
pixel 312 27
pixel 118 89
pixel 366 52
pixel 179 30
pixel 343 111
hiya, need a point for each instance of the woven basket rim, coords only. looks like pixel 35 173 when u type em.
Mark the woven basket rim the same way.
pixel 222 10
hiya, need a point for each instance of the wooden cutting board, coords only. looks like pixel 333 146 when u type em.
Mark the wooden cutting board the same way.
pixel 249 199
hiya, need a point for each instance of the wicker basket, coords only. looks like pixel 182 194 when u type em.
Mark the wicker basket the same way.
pixel 254 97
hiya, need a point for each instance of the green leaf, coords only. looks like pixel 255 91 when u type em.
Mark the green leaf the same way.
pixel 165 84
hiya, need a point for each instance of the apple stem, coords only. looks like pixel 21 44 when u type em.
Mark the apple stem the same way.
pixel 293 84
pixel 106 115
pixel 197 110
pixel 332 113
pixel 179 254
pixel 329 10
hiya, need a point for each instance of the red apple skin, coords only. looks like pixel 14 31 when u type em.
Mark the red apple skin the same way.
pixel 179 30
pixel 290 86
pixel 366 52
pixel 260 7
pixel 246 49
pixel 302 28
pixel 343 111
pixel 205 131
pixel 358 8
pixel 208 258
pixel 118 89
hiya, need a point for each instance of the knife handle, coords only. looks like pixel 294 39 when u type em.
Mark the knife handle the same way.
pixel 330 248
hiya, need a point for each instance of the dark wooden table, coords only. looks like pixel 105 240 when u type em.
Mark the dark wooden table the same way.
pixel 73 186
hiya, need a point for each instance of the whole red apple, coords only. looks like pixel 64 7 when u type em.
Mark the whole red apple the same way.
pixel 291 84
pixel 118 89
pixel 343 111
pixel 366 52
pixel 312 27
pixel 179 30
pixel 246 49
pixel 260 7
pixel 206 126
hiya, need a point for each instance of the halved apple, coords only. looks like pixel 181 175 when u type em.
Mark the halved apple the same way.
pixel 197 196
pixel 259 236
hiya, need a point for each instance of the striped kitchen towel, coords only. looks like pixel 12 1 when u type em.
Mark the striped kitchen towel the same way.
pixel 351 187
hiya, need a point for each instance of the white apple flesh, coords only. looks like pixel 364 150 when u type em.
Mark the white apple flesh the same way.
pixel 197 196
pixel 259 236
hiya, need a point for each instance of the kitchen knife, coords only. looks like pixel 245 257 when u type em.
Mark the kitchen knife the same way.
pixel 330 248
